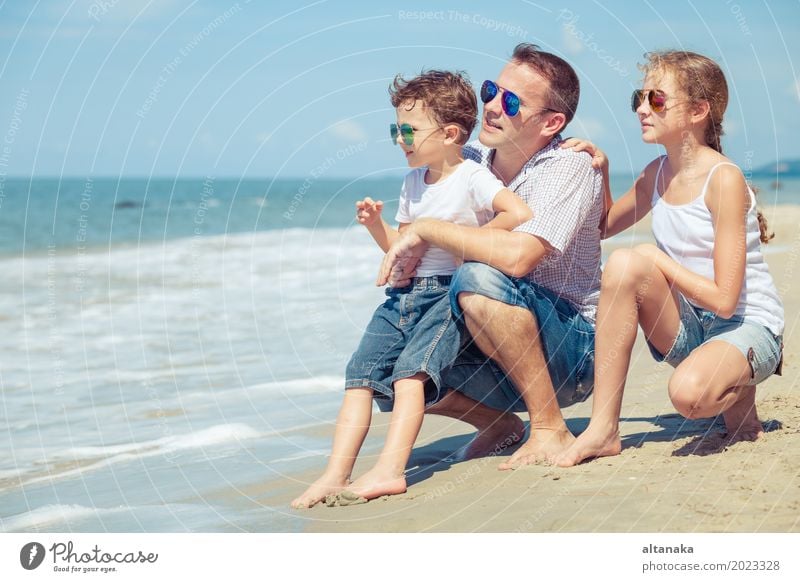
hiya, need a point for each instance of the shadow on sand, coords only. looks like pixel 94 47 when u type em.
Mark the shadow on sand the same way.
pixel 709 438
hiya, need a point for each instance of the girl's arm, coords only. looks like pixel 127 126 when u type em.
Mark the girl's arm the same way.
pixel 510 211
pixel 728 200
pixel 633 205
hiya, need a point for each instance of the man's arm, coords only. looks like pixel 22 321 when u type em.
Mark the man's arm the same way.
pixel 514 253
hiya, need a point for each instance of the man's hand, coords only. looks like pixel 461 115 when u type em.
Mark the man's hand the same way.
pixel 399 264
pixel 368 211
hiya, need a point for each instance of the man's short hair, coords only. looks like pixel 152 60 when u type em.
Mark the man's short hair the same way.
pixel 448 96
pixel 565 89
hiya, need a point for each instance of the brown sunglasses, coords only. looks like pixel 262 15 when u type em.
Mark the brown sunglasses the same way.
pixel 655 98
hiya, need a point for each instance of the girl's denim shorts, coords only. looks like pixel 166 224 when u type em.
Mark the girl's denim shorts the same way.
pixel 762 349
pixel 411 332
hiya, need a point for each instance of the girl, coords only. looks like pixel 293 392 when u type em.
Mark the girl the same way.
pixel 703 296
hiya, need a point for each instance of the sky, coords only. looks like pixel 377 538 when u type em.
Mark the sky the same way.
pixel 248 89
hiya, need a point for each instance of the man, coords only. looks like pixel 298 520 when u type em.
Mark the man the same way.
pixel 528 297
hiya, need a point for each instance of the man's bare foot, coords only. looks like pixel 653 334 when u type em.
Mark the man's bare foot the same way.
pixel 541 445
pixel 590 444
pixel 505 432
pixel 376 483
pixel 741 419
pixel 318 490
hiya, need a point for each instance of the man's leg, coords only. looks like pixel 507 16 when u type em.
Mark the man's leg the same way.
pixel 497 429
pixel 510 336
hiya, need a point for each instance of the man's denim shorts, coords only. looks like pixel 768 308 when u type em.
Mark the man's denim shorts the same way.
pixel 411 332
pixel 566 337
pixel 762 349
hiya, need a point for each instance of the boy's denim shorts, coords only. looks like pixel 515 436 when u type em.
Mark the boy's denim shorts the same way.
pixel 762 349
pixel 566 337
pixel 411 332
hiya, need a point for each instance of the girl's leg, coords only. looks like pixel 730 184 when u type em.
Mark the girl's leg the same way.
pixel 387 477
pixel 352 426
pixel 716 379
pixel 633 293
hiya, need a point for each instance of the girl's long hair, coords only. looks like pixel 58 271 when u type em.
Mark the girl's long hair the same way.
pixel 703 80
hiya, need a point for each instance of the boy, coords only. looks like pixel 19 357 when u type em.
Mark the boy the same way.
pixel 409 340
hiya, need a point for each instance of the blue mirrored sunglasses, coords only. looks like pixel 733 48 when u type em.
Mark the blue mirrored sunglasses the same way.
pixel 511 102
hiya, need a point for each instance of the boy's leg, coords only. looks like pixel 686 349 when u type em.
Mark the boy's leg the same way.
pixel 633 293
pixel 388 475
pixel 371 365
pixel 352 426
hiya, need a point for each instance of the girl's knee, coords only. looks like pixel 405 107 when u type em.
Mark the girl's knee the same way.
pixel 625 268
pixel 690 394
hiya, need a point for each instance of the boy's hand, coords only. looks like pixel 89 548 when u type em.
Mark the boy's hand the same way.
pixel 368 211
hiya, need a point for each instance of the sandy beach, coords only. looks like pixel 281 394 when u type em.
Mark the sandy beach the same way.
pixel 660 482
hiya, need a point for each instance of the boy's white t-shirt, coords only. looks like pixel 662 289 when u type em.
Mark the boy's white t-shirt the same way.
pixel 465 197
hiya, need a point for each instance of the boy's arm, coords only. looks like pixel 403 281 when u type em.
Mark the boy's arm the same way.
pixel 384 234
pixel 510 211
pixel 368 213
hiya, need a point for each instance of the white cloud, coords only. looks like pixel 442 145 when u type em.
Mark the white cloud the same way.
pixel 349 130
pixel 572 44
pixel 795 89
pixel 586 128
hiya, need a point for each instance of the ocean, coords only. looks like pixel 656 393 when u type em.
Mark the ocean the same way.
pixel 171 346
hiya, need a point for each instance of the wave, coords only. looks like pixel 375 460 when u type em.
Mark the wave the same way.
pixel 214 435
pixel 92 458
pixel 51 514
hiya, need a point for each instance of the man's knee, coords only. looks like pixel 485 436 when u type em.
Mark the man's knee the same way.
pixel 472 286
pixel 475 277
pixel 474 305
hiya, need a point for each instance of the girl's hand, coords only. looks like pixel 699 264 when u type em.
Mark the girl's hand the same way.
pixel 368 211
pixel 599 159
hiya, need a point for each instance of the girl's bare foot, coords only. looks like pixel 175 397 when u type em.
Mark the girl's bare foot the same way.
pixel 318 490
pixel 741 419
pixel 591 443
pixel 376 483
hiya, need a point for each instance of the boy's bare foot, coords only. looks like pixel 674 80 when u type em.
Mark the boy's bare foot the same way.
pixel 344 499
pixel 376 483
pixel 318 490
pixel 741 419
pixel 541 445
pixel 590 444
pixel 505 432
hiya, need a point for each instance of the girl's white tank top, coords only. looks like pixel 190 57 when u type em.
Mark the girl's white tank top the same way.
pixel 686 233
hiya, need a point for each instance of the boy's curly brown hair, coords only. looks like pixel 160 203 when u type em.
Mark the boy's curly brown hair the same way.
pixel 448 95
